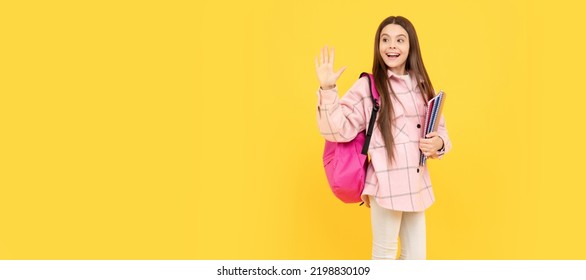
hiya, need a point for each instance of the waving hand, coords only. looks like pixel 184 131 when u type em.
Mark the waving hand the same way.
pixel 324 67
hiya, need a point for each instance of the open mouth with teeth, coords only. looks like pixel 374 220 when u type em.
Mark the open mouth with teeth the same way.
pixel 392 55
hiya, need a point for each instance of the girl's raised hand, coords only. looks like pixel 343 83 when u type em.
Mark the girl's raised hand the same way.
pixel 324 67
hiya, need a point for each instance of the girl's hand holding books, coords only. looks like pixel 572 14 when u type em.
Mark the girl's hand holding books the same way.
pixel 430 145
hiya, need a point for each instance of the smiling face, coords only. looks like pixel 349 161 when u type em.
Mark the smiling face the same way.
pixel 394 47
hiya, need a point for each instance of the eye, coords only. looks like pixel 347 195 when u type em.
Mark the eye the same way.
pixel 401 40
pixel 385 40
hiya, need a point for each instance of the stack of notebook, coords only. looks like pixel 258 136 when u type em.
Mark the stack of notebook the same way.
pixel 432 118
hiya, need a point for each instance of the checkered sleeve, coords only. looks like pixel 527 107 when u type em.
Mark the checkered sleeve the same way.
pixel 443 133
pixel 340 119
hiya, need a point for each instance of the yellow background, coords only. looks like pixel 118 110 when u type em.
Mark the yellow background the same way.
pixel 187 130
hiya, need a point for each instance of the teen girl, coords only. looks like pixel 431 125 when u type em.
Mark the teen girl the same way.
pixel 397 189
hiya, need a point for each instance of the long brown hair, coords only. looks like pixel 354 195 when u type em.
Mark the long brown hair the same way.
pixel 414 65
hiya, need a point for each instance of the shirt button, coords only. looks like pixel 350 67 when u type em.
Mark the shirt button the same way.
pixel 417 170
pixel 418 125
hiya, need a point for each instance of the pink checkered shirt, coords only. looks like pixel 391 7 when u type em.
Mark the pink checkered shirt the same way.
pixel 400 185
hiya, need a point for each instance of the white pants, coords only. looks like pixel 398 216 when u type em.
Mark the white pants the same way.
pixel 387 225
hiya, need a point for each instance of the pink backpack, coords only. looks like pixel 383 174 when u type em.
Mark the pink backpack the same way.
pixel 346 163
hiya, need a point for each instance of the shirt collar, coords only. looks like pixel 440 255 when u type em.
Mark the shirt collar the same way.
pixel 414 82
pixel 391 74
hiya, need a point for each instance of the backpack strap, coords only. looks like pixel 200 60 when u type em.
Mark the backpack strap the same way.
pixel 375 107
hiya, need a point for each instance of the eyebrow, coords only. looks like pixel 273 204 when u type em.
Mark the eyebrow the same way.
pixel 391 36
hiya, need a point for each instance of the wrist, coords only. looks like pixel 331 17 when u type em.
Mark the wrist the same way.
pixel 328 87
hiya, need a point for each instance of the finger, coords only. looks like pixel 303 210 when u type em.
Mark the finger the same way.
pixel 429 142
pixel 327 54
pixel 332 56
pixel 425 141
pixel 366 200
pixel 323 55
pixel 366 203
pixel 428 148
pixel 425 148
pixel 432 134
pixel 339 73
